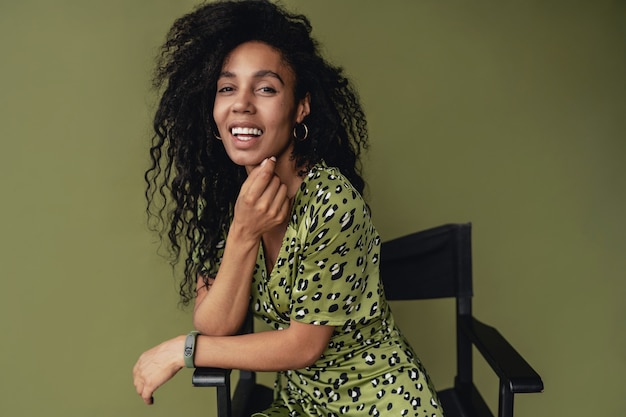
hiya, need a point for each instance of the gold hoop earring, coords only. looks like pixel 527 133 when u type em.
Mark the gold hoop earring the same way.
pixel 306 132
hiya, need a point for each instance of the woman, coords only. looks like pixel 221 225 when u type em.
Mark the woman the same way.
pixel 256 152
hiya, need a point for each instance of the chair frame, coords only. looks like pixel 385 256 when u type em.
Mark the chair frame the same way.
pixel 514 372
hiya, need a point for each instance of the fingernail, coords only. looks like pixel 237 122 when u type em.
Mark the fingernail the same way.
pixel 272 158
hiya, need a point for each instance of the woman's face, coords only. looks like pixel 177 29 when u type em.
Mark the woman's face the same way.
pixel 255 110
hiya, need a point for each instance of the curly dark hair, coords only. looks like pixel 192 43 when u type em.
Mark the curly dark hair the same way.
pixel 192 184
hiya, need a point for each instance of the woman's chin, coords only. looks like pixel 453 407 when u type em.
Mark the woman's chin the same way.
pixel 249 163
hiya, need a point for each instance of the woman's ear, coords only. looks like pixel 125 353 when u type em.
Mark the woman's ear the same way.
pixel 304 108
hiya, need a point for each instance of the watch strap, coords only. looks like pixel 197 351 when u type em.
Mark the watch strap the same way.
pixel 190 348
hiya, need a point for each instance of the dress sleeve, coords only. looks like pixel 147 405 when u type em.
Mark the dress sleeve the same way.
pixel 337 278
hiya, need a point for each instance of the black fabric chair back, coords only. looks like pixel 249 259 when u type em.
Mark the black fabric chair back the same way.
pixel 434 263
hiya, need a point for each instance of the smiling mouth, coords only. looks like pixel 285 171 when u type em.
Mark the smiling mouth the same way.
pixel 246 133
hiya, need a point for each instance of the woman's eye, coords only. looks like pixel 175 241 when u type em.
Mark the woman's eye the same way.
pixel 267 90
pixel 225 89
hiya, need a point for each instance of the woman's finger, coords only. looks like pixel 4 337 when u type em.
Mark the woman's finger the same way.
pixel 280 202
pixel 258 179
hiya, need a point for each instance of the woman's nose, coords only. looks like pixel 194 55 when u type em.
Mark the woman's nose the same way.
pixel 243 102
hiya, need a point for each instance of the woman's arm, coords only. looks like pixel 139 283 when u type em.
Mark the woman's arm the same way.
pixel 220 309
pixel 261 205
pixel 296 347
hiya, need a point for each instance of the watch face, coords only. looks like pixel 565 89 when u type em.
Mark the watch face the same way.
pixel 188 350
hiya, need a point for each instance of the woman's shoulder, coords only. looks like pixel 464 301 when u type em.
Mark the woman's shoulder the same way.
pixel 323 181
pixel 326 192
pixel 325 184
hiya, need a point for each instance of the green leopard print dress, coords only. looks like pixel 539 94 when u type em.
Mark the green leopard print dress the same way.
pixel 327 274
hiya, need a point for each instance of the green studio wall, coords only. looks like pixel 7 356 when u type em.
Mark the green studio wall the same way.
pixel 509 115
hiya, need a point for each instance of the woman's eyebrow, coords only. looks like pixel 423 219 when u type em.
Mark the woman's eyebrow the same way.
pixel 258 74
pixel 269 73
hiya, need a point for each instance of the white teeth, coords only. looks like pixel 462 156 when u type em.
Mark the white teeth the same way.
pixel 246 131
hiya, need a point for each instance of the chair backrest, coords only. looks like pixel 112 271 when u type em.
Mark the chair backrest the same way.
pixel 433 263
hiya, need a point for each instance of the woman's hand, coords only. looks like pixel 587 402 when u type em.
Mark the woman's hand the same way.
pixel 262 202
pixel 156 366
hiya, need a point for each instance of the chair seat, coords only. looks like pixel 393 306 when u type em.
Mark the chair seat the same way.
pixel 453 406
pixel 450 402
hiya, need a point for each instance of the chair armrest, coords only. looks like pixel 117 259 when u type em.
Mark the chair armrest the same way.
pixel 210 377
pixel 220 378
pixel 505 361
